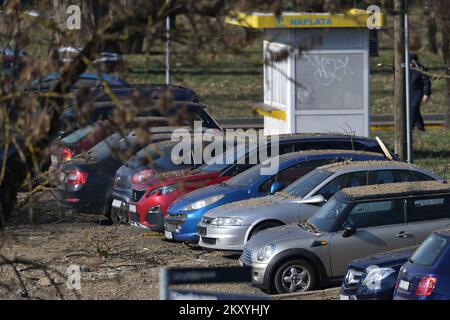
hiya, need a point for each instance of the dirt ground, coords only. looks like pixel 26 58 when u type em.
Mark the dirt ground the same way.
pixel 116 262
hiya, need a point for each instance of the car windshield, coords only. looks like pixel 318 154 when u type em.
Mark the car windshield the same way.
pixel 324 219
pixel 77 135
pixel 430 250
pixel 220 163
pixel 301 187
pixel 246 178
pixel 104 149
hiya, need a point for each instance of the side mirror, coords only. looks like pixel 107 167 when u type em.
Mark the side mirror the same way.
pixel 276 186
pixel 349 231
pixel 317 199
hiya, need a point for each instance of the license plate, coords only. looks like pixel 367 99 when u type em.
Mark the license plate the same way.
pixel 54 159
pixel 201 231
pixel 168 235
pixel 132 208
pixel 342 297
pixel 117 203
pixel 404 285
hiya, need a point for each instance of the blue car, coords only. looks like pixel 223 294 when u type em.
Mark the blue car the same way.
pixel 426 275
pixel 251 184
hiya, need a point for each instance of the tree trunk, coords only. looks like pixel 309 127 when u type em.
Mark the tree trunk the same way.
pixel 89 19
pixel 431 27
pixel 446 57
pixel 399 80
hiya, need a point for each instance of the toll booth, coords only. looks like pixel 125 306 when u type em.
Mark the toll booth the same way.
pixel 316 70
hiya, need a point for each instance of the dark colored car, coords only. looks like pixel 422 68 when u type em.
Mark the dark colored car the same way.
pixel 77 142
pixel 374 277
pixel 426 275
pixel 85 183
pixel 146 96
pixel 152 160
pixel 211 174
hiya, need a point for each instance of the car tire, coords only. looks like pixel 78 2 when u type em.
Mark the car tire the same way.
pixel 262 226
pixel 118 217
pixel 289 278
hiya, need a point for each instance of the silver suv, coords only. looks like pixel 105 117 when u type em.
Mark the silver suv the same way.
pixel 299 200
pixel 355 223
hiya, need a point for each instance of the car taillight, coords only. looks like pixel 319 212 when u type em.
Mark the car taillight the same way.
pixel 143 175
pixel 77 177
pixel 426 286
pixel 68 154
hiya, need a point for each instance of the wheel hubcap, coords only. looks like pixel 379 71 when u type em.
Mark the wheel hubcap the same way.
pixel 296 278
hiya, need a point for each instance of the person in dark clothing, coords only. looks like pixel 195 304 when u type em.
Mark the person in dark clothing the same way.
pixel 419 91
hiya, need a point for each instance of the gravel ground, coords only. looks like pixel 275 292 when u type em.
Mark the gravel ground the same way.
pixel 116 262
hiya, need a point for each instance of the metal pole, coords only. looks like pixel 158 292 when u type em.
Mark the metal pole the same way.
pixel 163 284
pixel 408 109
pixel 167 46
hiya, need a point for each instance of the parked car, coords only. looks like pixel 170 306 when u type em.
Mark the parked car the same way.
pixel 77 142
pixel 153 160
pixel 85 183
pixel 426 275
pixel 149 210
pixel 299 200
pixel 146 97
pixel 251 184
pixel 374 277
pixel 356 222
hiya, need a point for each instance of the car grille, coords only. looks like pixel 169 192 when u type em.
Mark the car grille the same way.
pixel 137 195
pixel 172 227
pixel 134 217
pixel 154 215
pixel 246 257
pixel 207 220
pixel 209 240
pixel 122 182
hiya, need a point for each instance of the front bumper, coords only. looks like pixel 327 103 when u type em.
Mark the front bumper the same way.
pixel 258 273
pixel 152 220
pixel 181 227
pixel 228 238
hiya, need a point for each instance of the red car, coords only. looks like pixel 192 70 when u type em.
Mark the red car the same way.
pixel 149 201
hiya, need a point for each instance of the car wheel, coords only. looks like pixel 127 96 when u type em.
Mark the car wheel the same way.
pixel 262 226
pixel 295 276
pixel 119 217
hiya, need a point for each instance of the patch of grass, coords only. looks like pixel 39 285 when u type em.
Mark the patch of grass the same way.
pixel 431 149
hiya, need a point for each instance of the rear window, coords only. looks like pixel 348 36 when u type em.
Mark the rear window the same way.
pixel 430 250
pixel 77 135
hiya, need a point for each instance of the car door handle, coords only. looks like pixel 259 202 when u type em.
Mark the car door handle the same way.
pixel 403 234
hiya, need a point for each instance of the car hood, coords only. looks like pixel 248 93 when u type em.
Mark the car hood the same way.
pixel 394 259
pixel 173 177
pixel 277 235
pixel 254 206
pixel 206 192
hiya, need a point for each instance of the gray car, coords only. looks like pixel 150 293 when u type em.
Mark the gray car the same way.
pixel 299 200
pixel 355 223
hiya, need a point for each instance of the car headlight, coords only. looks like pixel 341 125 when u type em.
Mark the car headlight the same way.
pixel 202 203
pixel 227 221
pixel 163 190
pixel 375 275
pixel 266 252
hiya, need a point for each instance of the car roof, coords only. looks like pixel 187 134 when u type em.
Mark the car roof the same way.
pixel 393 190
pixel 322 136
pixel 308 153
pixel 368 165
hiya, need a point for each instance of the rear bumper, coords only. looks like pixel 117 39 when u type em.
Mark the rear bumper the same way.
pixel 81 201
